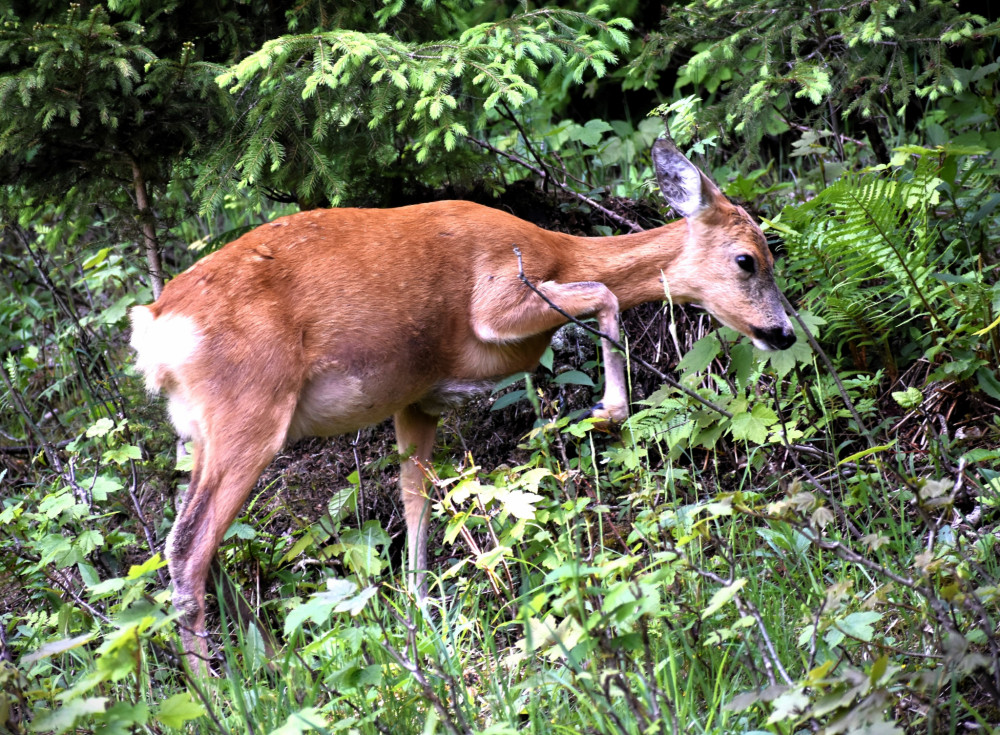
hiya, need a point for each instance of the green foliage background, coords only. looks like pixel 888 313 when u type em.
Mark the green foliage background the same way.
pixel 813 546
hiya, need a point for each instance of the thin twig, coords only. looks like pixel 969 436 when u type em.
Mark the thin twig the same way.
pixel 541 173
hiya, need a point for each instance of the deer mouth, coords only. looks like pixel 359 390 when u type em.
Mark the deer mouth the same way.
pixel 773 339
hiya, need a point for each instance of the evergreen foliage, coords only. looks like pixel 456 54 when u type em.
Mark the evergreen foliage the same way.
pixel 858 69
pixel 311 100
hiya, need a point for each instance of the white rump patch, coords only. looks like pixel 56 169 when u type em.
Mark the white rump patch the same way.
pixel 162 345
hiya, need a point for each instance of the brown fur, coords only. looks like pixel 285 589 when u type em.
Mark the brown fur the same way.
pixel 326 321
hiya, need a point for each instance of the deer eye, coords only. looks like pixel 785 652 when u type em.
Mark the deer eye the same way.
pixel 746 262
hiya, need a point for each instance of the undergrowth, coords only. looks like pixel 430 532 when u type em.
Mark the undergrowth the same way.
pixel 810 547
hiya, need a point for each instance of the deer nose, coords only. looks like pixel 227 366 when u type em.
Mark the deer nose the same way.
pixel 777 338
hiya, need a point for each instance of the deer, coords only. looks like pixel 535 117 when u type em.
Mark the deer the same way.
pixel 325 321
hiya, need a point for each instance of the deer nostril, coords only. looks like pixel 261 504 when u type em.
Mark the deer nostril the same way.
pixel 779 338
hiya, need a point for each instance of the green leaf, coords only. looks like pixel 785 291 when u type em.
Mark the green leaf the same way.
pixel 519 503
pixel 104 486
pixel 491 558
pixel 700 355
pixel 788 706
pixel 101 427
pixel 303 721
pixel 987 380
pixel 909 398
pixel 574 377
pixel 742 355
pixel 64 718
pixel 546 359
pixel 122 454
pixel 150 565
pixel 508 399
pixel 88 540
pixel 96 259
pixel 53 648
pixel 515 378
pixel 753 426
pixel 178 709
pixel 241 531
pixel 723 596
pixel 859 625
pixel 341 595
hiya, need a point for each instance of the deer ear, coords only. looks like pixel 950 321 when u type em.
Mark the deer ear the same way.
pixel 685 188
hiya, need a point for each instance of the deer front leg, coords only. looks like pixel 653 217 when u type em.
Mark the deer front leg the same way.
pixel 506 313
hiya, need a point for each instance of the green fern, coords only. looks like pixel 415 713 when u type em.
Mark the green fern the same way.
pixel 866 247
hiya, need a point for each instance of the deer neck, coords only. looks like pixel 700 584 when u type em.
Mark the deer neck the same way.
pixel 632 266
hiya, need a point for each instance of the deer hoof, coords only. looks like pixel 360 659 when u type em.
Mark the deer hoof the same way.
pixel 607 417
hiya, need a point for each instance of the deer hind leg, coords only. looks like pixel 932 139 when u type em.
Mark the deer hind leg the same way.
pixel 415 431
pixel 227 464
pixel 509 313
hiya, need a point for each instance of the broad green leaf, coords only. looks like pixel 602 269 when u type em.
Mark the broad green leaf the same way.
pixel 240 530
pixel 53 648
pixel 63 719
pixel 988 382
pixel 490 559
pixel 859 625
pixel 101 427
pixel 320 606
pixel 104 486
pixel 723 596
pixel 178 709
pixel 150 565
pixel 306 720
pixel 574 377
pixel 88 540
pixel 748 427
pixel 519 503
pixel 96 259
pixel 789 706
pixel 508 399
pixel 700 355
pixel 122 454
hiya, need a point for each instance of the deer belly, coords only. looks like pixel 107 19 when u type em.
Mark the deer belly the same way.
pixel 340 402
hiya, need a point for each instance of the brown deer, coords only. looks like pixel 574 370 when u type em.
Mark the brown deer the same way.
pixel 326 321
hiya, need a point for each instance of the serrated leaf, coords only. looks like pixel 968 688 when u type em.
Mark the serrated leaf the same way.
pixel 491 558
pixel 520 504
pixel 101 427
pixel 88 540
pixel 241 531
pixel 700 355
pixel 320 606
pixel 788 707
pixel 909 398
pixel 742 362
pixel 745 426
pixel 104 486
pixel 122 454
